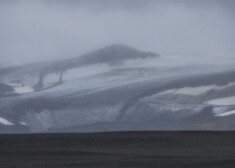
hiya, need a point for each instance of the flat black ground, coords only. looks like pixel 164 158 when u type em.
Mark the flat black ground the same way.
pixel 120 149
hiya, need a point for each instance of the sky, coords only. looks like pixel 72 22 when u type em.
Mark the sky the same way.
pixel 41 30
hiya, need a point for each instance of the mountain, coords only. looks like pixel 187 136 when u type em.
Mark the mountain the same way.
pixel 112 55
pixel 119 98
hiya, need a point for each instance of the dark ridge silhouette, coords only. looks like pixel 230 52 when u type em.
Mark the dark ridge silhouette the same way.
pixel 114 54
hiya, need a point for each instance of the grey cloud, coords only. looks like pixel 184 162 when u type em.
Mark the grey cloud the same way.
pixel 53 29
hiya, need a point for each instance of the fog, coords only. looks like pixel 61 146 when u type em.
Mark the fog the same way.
pixel 40 30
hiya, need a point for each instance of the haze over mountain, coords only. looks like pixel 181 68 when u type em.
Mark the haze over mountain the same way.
pixel 103 91
pixel 108 65
pixel 37 31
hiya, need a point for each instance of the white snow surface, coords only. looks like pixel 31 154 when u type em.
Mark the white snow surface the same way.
pixel 220 109
pixel 23 123
pixel 5 122
pixel 195 91
pixel 171 91
pixel 222 101
pixel 23 89
pixel 225 114
pixel 20 88
pixel 114 78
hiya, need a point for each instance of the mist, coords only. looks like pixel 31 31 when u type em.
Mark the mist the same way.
pixel 36 31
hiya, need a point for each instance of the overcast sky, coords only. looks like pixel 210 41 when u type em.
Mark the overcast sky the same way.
pixel 38 30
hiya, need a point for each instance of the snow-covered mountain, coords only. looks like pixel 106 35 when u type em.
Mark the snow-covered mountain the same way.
pixel 115 89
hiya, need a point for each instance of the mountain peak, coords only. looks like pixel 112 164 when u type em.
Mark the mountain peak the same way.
pixel 114 53
pixel 119 46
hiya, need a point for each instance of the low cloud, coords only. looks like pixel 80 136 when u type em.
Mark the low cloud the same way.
pixel 33 31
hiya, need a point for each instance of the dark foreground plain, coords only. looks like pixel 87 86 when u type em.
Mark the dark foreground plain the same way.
pixel 119 149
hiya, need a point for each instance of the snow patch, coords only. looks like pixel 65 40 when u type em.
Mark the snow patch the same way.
pixel 23 123
pixel 5 122
pixel 171 91
pixel 220 109
pixel 225 114
pixel 222 101
pixel 23 89
pixel 195 91
pixel 20 88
